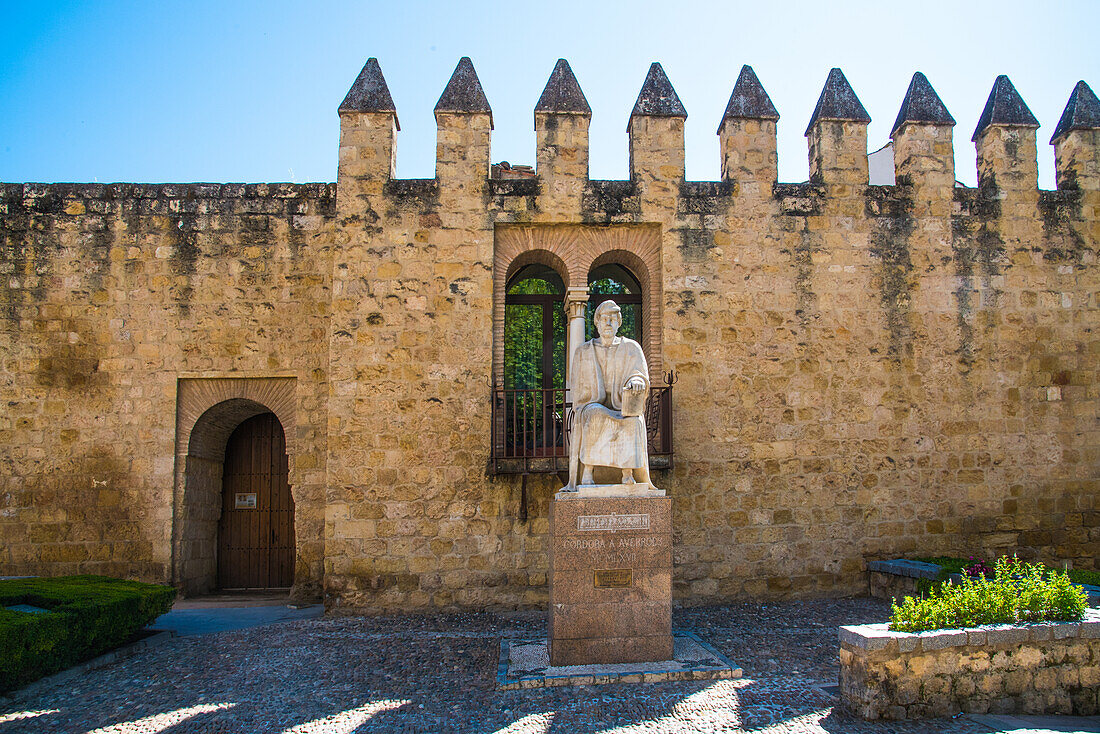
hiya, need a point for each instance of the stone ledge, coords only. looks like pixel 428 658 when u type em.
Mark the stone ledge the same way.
pixel 868 638
pixel 199 190
pixel 515 186
pixel 611 198
pixel 1033 668
pixel 910 569
pixel 799 199
pixel 609 491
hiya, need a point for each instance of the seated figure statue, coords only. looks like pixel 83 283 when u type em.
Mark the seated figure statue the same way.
pixel 608 382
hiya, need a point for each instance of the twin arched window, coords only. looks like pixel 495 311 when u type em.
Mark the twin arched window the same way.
pixel 535 321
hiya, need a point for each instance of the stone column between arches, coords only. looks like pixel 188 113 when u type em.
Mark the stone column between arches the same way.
pixel 208 410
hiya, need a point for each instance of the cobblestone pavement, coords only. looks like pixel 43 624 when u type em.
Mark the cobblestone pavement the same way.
pixel 438 674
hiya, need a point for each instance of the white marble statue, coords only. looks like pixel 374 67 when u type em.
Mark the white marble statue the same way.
pixel 608 382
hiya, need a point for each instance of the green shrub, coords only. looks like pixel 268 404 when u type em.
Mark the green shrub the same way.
pixel 1019 592
pixel 87 616
pixel 1084 577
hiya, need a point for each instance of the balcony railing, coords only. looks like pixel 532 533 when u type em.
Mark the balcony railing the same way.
pixel 531 428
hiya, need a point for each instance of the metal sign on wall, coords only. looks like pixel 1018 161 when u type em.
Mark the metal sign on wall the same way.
pixel 245 501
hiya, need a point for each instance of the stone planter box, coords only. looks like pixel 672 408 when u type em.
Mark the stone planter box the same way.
pixel 1049 668
pixel 899 578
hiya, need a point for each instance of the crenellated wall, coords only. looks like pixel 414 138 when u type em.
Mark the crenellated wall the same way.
pixel 864 371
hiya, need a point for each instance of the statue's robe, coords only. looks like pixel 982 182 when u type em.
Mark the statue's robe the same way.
pixel 599 376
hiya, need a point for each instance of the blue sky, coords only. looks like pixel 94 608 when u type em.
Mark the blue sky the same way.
pixel 248 91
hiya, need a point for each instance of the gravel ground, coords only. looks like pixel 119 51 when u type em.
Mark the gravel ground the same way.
pixel 438 674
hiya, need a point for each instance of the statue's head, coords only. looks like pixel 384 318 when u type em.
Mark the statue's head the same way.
pixel 607 319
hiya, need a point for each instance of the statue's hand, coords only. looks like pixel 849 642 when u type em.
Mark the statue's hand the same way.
pixel 635 384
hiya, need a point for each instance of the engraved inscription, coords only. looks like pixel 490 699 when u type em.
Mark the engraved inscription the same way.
pixel 648 541
pixel 613 522
pixel 612 551
pixel 613 578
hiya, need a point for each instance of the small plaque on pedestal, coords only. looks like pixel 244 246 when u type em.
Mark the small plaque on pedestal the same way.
pixel 613 578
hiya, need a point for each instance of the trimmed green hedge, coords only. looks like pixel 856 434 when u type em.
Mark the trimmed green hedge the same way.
pixel 950 564
pixel 1092 578
pixel 88 615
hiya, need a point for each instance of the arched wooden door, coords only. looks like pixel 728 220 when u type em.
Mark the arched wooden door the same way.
pixel 256 530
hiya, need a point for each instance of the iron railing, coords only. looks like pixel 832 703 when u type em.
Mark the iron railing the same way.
pixel 531 428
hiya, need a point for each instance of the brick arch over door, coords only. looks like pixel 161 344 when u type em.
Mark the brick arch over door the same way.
pixel 207 412
pixel 573 250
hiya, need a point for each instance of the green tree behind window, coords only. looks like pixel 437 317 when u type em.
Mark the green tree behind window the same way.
pixel 631 311
pixel 524 339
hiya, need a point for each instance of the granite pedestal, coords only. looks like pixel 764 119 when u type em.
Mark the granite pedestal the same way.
pixel 610 577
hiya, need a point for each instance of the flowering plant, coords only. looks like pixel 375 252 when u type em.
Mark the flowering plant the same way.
pixel 977 567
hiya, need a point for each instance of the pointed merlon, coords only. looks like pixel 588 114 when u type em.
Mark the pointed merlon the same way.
pixel 369 93
pixel 464 92
pixel 1082 112
pixel 657 98
pixel 838 102
pixel 922 104
pixel 1005 106
pixel 749 100
pixel 562 93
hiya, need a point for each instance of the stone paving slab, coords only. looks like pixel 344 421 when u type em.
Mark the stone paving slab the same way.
pixel 202 621
pixel 526 664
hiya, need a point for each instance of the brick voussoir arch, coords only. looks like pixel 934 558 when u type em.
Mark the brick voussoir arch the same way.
pixel 572 251
pixel 195 397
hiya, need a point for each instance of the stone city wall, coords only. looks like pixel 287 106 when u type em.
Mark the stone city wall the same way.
pixel 1000 669
pixel 863 371
pixel 110 295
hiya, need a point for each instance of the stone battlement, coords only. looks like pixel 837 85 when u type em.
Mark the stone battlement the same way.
pixel 836 134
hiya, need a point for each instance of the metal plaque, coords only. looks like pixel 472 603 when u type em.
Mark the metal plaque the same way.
pixel 613 578
pixel 245 501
